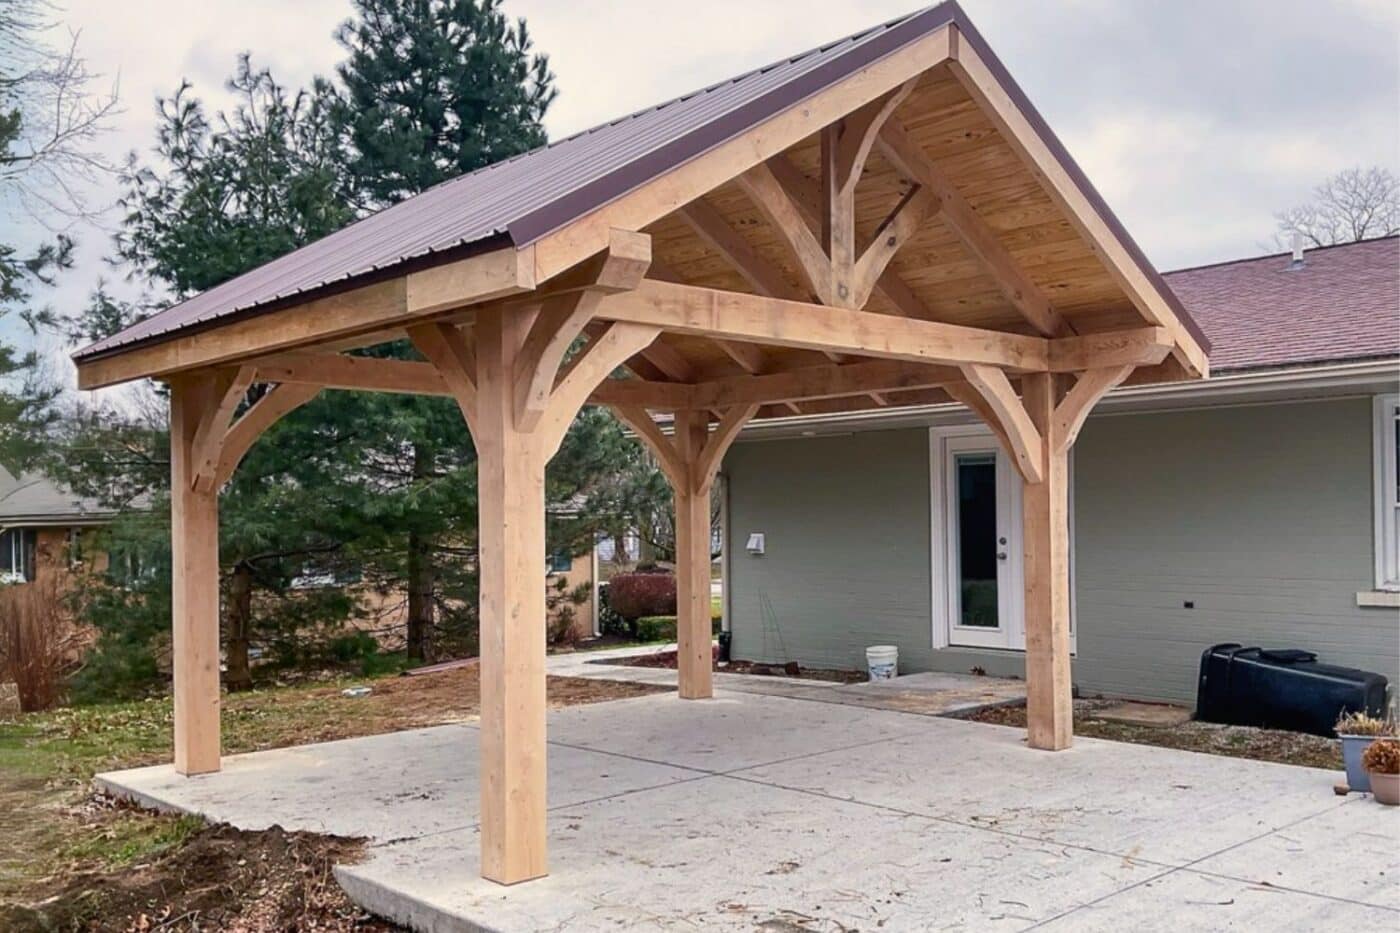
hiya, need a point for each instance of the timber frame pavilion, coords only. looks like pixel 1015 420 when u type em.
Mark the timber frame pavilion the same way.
pixel 883 221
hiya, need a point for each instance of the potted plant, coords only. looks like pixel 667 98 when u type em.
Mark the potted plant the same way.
pixel 1382 760
pixel 1357 731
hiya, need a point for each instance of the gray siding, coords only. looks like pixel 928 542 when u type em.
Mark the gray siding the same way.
pixel 1260 515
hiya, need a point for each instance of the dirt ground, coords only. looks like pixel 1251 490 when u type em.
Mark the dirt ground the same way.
pixel 667 659
pixel 1289 748
pixel 70 860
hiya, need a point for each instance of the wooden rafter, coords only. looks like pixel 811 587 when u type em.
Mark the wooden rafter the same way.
pixel 1027 297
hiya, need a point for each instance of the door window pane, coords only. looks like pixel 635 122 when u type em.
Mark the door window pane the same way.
pixel 977 539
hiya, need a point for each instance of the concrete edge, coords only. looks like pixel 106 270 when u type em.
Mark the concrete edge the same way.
pixel 384 902
pixel 107 784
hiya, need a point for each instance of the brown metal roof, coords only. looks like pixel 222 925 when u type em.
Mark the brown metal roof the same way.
pixel 519 200
pixel 1342 303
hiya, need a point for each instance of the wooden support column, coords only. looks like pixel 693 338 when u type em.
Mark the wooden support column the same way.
pixel 690 459
pixel 1038 429
pixel 693 652
pixel 194 539
pixel 510 471
pixel 1045 521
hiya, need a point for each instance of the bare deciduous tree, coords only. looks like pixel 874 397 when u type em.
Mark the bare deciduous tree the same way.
pixel 1357 204
pixel 51 114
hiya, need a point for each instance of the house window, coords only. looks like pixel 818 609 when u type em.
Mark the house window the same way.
pixel 1387 471
pixel 75 548
pixel 560 562
pixel 17 547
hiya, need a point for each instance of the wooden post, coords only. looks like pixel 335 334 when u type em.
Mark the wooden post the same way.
pixel 510 470
pixel 194 541
pixel 695 658
pixel 1045 512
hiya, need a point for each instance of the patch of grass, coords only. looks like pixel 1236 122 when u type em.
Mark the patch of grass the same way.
pixel 129 836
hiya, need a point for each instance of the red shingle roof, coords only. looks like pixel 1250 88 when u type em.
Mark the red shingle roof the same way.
pixel 1343 303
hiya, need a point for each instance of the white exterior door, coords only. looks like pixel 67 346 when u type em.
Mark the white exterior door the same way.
pixel 983 587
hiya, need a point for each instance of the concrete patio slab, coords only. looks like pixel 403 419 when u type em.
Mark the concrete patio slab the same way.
pixel 934 694
pixel 1189 902
pixel 761 812
pixel 1153 803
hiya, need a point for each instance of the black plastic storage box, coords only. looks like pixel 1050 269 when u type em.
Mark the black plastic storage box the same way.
pixel 1282 689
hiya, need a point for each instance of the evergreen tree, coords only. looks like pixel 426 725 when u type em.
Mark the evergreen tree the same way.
pixel 224 195
pixel 431 89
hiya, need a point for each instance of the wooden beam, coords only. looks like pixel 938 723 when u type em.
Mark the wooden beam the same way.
pixel 1015 126
pixel 562 319
pixel 1045 530
pixel 707 312
pixel 706 462
pixel 898 228
pixel 194 543
pixel 1026 441
pixel 711 227
pixel 230 389
pixel 820 382
pixel 806 194
pixel 448 352
pixel 1025 296
pixel 667 457
pixel 585 373
pixel 1074 408
pixel 392 304
pixel 785 218
pixel 1143 346
pixel 859 131
pixel 275 404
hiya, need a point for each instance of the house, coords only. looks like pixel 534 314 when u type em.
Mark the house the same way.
pixel 42 529
pixel 1259 506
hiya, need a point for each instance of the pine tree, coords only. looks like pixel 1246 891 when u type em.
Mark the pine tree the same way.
pixel 224 194
pixel 429 90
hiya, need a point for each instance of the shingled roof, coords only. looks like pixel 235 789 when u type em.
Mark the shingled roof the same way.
pixel 1341 303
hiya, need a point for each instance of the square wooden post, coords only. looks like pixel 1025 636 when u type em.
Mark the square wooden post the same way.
pixel 510 471
pixel 194 543
pixel 1045 514
pixel 695 656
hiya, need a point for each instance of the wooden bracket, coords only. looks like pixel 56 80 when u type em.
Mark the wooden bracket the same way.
pixel 229 388
pixel 988 392
pixel 562 319
pixel 275 404
pixel 688 472
pixel 447 349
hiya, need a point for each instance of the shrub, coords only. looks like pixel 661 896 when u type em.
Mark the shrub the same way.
pixel 1359 723
pixel 635 595
pixel 36 642
pixel 656 628
pixel 1382 757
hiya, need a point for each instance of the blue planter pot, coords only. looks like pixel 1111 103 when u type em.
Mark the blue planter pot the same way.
pixel 1353 747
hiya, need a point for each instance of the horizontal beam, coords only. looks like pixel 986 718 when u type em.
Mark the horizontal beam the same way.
pixel 406 377
pixel 821 382
pixel 706 312
pixel 1141 346
pixel 391 304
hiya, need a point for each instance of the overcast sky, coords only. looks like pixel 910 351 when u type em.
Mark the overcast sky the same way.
pixel 1195 119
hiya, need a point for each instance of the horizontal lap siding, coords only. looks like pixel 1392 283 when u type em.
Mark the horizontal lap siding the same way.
pixel 846 520
pixel 1260 515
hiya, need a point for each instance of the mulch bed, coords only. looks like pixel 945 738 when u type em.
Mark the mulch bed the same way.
pixel 667 659
pixel 1289 748
pixel 220 878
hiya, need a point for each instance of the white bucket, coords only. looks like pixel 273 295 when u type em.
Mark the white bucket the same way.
pixel 882 661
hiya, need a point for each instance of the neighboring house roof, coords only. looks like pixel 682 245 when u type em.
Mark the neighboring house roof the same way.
pixel 519 200
pixel 31 500
pixel 1342 303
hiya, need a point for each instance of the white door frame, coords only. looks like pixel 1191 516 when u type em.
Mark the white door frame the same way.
pixel 945 441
